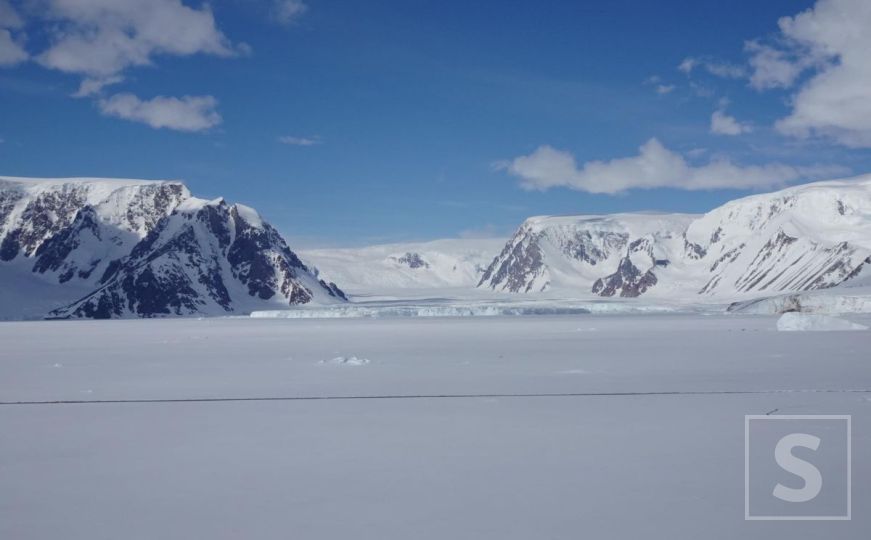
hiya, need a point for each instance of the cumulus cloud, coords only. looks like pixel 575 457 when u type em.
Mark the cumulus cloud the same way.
pixel 655 166
pixel 288 11
pixel 101 38
pixel 188 113
pixel 833 40
pixel 829 43
pixel 11 49
pixel 771 67
pixel 717 68
pixel 724 124
pixel 300 141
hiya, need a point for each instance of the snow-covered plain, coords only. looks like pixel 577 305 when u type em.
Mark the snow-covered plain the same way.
pixel 574 426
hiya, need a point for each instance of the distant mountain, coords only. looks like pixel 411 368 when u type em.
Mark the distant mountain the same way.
pixel 802 238
pixel 100 248
pixel 391 268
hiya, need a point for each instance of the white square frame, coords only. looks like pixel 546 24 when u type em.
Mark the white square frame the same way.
pixel 848 418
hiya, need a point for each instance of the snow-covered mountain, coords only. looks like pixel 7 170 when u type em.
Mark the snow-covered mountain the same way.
pixel 613 254
pixel 801 238
pixel 124 248
pixel 385 269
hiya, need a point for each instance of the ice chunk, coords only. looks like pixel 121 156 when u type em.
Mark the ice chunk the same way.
pixel 797 322
pixel 346 361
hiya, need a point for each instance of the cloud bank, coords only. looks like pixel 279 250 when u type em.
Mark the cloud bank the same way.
pixel 655 166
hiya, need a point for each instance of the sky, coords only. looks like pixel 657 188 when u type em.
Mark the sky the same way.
pixel 359 122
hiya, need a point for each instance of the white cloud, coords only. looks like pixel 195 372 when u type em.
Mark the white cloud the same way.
pixel 655 166
pixel 287 11
pixel 719 69
pixel 771 67
pixel 11 50
pixel 101 38
pixel 188 113
pixel 724 124
pixel 659 86
pixel 300 141
pixel 833 40
pixel 91 87
pixel 9 18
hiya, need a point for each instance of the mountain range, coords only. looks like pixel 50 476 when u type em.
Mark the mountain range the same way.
pixel 101 248
pixel 802 238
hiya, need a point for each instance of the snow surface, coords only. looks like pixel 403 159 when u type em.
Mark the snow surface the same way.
pixel 804 322
pixel 378 270
pixel 535 427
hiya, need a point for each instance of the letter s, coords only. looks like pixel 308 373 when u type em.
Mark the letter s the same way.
pixel 813 480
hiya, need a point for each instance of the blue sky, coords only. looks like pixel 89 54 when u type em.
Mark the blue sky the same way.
pixel 347 123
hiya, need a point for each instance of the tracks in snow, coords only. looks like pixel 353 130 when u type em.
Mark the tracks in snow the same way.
pixel 443 396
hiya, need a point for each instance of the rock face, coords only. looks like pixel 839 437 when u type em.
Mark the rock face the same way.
pixel 147 249
pixel 520 265
pixel 629 280
pixel 802 238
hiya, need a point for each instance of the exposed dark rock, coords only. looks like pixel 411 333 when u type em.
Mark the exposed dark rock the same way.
pixel 694 251
pixel 52 254
pixel 628 280
pixel 516 268
pixel 413 260
pixel 583 246
pixel 179 268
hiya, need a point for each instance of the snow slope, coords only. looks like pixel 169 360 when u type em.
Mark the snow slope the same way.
pixel 385 269
pixel 119 248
